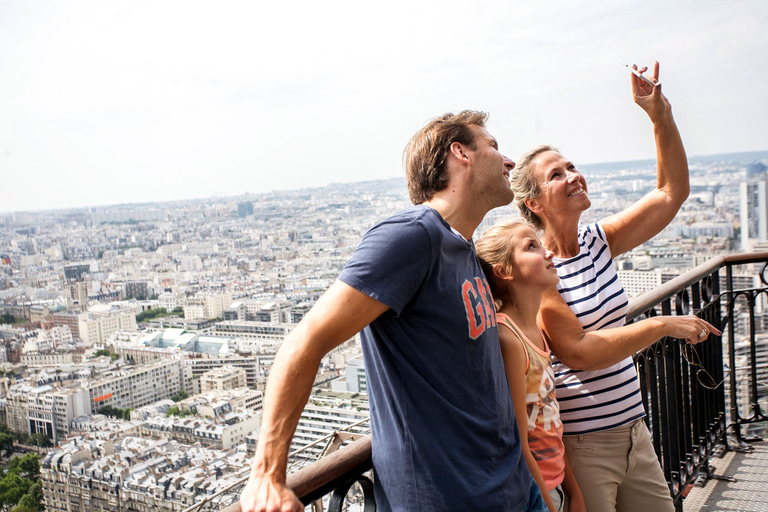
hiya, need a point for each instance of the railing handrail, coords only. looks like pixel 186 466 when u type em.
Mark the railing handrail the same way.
pixel 313 481
pixel 321 475
pixel 684 280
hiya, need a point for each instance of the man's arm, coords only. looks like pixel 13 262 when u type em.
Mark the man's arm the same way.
pixel 600 349
pixel 339 314
pixel 647 217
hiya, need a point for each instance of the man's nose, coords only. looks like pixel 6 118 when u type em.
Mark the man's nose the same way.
pixel 509 164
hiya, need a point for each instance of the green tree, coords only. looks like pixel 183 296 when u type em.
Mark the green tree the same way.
pixel 23 505
pixel 41 440
pixel 27 466
pixel 112 412
pixel 182 394
pixel 102 352
pixel 33 500
pixel 12 488
pixel 151 313
pixel 20 487
pixel 6 442
pixel 175 411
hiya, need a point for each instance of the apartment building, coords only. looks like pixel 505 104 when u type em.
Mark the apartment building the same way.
pixel 70 319
pixel 135 475
pixel 266 331
pixel 223 378
pixel 171 301
pixel 96 329
pixel 241 399
pixel 222 432
pixel 49 339
pixel 208 306
pixel 47 358
pixel 325 413
pixel 255 367
pixel 68 404
pixel 44 409
pixel 136 386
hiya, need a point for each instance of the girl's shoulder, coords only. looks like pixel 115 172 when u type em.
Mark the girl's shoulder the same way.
pixel 506 321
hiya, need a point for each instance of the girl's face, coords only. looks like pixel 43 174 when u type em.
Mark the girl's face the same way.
pixel 531 262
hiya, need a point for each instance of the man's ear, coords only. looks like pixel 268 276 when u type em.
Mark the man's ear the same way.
pixel 457 150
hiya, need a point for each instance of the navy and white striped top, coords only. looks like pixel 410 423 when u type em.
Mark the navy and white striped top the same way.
pixel 591 401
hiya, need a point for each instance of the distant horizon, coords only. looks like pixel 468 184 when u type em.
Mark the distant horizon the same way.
pixel 757 155
pixel 105 103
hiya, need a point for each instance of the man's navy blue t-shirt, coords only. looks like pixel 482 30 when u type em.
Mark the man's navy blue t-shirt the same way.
pixel 442 419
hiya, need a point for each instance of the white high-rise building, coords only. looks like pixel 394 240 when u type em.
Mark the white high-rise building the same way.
pixel 753 203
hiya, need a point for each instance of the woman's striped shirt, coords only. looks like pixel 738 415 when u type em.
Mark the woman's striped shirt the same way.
pixel 591 401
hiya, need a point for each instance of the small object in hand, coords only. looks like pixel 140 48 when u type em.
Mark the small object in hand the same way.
pixel 703 333
pixel 640 75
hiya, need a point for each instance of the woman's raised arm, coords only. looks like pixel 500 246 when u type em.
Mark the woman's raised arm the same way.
pixel 647 217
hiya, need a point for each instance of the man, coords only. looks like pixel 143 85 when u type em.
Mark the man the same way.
pixel 444 435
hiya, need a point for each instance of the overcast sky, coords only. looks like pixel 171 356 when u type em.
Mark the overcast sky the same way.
pixel 116 102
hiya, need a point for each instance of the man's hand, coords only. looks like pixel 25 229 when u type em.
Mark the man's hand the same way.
pixel 265 495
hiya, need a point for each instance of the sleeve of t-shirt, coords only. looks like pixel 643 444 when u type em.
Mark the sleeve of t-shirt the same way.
pixel 390 263
pixel 597 230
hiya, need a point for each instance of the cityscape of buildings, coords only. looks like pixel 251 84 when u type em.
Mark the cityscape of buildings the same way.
pixel 138 338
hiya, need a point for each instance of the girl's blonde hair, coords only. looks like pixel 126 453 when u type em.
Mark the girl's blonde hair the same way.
pixel 493 248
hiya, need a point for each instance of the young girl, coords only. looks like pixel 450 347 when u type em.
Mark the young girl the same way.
pixel 519 270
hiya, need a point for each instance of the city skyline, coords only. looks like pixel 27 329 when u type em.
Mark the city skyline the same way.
pixel 109 104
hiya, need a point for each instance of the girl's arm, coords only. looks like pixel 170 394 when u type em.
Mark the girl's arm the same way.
pixel 514 362
pixel 572 489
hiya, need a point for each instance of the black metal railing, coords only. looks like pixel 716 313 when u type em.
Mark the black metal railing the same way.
pixel 688 421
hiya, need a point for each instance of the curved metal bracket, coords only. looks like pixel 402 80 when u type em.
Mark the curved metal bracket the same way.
pixel 682 302
pixel 762 274
pixel 340 495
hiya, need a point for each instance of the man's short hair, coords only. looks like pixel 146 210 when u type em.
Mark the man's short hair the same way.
pixel 425 155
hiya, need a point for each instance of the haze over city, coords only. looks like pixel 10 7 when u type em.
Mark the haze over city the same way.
pixel 104 103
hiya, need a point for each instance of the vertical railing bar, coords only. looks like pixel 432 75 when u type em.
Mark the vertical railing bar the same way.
pixel 735 417
pixel 669 387
pixel 753 357
pixel 661 385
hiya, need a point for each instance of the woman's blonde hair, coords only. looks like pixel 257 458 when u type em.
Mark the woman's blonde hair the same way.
pixel 525 185
pixel 493 248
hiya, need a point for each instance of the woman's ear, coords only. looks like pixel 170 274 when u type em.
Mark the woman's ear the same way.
pixel 532 204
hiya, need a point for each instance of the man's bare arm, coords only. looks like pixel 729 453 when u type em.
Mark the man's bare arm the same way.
pixel 339 314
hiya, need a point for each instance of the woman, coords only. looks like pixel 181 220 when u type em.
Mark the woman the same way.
pixel 606 440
